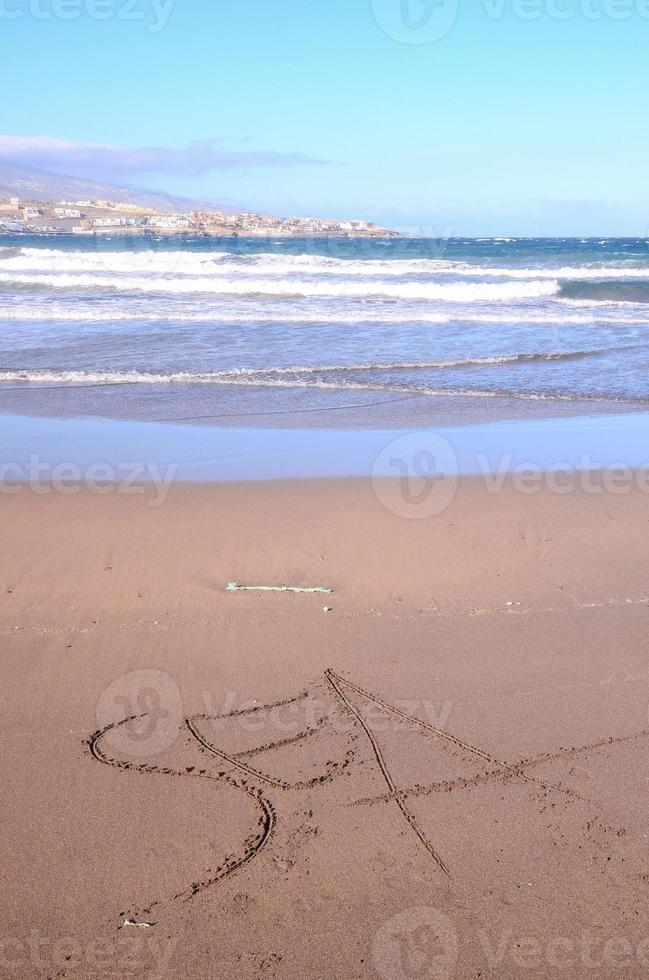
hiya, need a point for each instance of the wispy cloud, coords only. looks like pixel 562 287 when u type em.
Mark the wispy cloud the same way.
pixel 107 159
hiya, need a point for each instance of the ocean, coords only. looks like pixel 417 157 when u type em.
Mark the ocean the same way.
pixel 356 329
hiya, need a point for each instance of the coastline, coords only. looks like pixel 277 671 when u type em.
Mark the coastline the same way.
pixel 514 624
pixel 334 333
pixel 242 406
pixel 326 670
pixel 324 491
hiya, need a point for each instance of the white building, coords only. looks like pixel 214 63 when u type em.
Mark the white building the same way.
pixel 108 222
pixel 67 213
pixel 169 221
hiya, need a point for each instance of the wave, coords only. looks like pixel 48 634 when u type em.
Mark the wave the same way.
pixel 251 375
pixel 218 264
pixel 108 378
pixel 461 292
pixel 78 313
pixel 552 321
pixel 377 366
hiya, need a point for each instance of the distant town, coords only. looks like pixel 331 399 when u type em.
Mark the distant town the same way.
pixel 98 217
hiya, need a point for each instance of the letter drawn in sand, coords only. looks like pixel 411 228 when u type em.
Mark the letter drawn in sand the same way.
pixel 238 769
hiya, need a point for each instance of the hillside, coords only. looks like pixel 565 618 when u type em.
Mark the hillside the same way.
pixel 41 185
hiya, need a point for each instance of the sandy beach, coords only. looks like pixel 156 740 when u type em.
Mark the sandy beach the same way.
pixel 324 490
pixel 443 775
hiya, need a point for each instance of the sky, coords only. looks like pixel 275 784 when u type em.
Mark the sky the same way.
pixel 442 117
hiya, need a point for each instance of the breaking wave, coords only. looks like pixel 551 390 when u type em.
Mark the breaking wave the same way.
pixel 462 292
pixel 219 264
pixel 391 315
pixel 265 379
pixel 260 375
pixel 540 320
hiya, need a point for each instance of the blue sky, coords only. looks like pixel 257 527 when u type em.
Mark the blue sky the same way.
pixel 503 125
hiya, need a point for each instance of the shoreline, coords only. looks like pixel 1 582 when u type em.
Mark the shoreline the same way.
pixel 349 661
pixel 239 406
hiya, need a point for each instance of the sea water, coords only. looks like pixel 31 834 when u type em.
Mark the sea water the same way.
pixel 236 323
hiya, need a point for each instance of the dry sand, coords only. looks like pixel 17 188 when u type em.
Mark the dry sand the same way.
pixel 493 825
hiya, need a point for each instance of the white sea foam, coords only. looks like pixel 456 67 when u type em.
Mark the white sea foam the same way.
pixel 220 264
pixel 77 312
pixel 261 379
pixel 437 319
pixel 269 374
pixel 459 292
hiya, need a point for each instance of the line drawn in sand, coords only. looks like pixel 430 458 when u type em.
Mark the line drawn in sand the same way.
pixel 256 784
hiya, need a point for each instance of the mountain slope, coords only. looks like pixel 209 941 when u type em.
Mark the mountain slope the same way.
pixel 41 185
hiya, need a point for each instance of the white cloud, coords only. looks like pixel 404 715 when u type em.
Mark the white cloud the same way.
pixel 110 160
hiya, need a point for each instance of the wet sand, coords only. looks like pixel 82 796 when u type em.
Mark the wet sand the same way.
pixel 280 407
pixel 98 451
pixel 452 780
